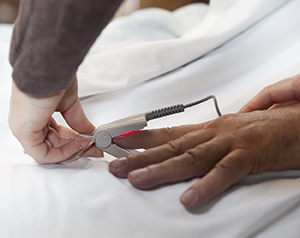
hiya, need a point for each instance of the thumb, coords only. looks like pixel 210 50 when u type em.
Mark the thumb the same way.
pixel 76 118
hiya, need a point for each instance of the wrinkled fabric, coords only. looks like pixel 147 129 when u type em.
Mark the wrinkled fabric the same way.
pixel 152 42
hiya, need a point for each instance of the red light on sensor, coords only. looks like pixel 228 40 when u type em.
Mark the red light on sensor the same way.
pixel 126 134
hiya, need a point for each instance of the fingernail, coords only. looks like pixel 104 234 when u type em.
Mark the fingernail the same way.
pixel 139 173
pixel 118 163
pixel 85 143
pixel 189 197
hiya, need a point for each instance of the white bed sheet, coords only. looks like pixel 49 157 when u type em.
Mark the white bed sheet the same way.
pixel 165 41
pixel 83 199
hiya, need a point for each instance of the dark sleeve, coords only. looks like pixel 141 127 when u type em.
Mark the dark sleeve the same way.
pixel 51 38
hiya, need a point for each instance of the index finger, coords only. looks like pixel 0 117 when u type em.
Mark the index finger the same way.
pixel 152 138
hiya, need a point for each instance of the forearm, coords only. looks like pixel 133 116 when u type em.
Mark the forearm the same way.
pixel 51 38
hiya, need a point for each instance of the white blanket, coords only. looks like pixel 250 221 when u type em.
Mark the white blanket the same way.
pixel 83 199
pixel 165 41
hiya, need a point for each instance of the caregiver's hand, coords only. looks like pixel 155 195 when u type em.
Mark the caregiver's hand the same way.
pixel 42 138
pixel 223 151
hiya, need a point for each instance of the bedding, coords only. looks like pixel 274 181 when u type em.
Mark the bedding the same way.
pixel 82 199
pixel 165 41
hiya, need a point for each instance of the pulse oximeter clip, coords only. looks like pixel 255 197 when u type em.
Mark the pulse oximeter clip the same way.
pixel 103 135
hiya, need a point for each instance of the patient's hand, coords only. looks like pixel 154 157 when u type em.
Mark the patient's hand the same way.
pixel 31 122
pixel 221 152
pixel 283 93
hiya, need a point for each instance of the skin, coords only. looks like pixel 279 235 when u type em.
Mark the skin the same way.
pixel 31 122
pixel 263 136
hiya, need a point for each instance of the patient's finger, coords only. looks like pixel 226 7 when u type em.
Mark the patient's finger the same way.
pixel 151 138
pixel 283 91
pixel 121 167
pixel 227 172
pixel 193 163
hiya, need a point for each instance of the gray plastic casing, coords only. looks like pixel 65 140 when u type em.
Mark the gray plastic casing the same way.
pixel 103 135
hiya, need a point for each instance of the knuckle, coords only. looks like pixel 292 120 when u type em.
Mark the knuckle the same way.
pixel 137 159
pixel 175 147
pixel 227 169
pixel 195 157
pixel 268 88
pixel 167 131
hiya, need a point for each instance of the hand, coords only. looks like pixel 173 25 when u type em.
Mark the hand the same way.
pixel 31 121
pixel 221 152
pixel 283 93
